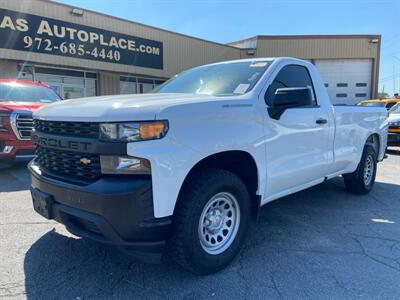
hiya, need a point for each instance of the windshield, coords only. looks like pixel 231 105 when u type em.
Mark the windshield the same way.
pixel 374 104
pixel 14 91
pixel 395 109
pixel 224 79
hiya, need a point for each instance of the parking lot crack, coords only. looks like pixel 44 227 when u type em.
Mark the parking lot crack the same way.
pixel 275 285
pixel 378 238
pixel 377 199
pixel 364 252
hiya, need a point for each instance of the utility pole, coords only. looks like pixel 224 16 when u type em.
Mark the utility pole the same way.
pixel 394 75
pixel 394 80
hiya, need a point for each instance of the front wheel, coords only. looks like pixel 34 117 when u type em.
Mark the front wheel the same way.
pixel 211 219
pixel 362 179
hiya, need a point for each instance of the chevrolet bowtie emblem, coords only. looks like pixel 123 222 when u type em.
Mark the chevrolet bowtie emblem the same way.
pixel 85 161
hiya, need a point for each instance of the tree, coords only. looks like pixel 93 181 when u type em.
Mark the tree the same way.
pixel 383 95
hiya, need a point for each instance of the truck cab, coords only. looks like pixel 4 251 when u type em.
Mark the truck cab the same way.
pixel 18 100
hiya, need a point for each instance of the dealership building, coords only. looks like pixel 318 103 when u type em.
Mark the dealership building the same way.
pixel 84 53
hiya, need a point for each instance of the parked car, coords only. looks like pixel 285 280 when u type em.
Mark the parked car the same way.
pixel 189 165
pixel 386 103
pixel 18 99
pixel 394 126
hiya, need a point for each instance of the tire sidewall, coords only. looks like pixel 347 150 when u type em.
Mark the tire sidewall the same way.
pixel 369 151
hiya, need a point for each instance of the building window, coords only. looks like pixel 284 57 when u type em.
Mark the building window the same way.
pixel 127 85
pixel 25 72
pixel 360 84
pixel 341 95
pixel 68 83
pixel 358 95
pixel 326 84
pixel 341 84
pixel 145 85
pixel 135 85
pixel 158 82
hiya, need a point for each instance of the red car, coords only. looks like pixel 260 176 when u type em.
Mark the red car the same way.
pixel 18 99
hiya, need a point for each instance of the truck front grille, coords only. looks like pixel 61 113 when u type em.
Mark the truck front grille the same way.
pixel 75 129
pixel 71 166
pixel 22 124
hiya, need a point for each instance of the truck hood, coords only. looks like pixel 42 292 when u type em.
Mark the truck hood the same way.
pixel 394 117
pixel 116 108
pixel 17 105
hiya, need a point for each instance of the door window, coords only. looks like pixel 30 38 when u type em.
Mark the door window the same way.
pixel 390 105
pixel 290 76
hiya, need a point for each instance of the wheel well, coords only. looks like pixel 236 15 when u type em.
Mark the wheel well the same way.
pixel 373 140
pixel 240 163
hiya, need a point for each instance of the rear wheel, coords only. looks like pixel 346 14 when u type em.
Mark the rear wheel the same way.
pixel 211 219
pixel 362 179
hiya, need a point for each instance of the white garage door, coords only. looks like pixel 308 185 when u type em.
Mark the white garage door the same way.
pixel 347 80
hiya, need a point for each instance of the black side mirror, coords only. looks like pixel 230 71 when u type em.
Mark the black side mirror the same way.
pixel 286 98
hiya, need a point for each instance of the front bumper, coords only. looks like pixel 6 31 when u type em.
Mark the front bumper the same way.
pixel 21 150
pixel 113 210
pixel 393 139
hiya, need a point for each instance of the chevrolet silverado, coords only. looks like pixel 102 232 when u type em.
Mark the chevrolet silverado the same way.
pixel 184 169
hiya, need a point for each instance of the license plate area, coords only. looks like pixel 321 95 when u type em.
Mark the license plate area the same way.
pixel 42 203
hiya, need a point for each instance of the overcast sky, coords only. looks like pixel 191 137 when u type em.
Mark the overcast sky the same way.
pixel 224 21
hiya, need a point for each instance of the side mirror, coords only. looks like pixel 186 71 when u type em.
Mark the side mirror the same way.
pixel 286 98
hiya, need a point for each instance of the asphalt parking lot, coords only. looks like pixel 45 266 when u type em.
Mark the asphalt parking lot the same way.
pixel 322 243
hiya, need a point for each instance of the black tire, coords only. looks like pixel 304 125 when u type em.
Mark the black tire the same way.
pixel 355 182
pixel 185 245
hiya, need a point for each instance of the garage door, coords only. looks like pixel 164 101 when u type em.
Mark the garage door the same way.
pixel 347 80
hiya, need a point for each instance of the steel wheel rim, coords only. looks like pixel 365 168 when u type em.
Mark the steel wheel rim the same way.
pixel 368 170
pixel 219 223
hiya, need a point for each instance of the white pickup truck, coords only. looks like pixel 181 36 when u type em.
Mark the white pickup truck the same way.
pixel 184 169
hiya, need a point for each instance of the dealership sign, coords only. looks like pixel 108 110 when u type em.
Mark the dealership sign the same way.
pixel 32 33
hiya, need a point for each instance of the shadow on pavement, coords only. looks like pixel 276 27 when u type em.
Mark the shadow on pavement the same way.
pixel 14 178
pixel 323 230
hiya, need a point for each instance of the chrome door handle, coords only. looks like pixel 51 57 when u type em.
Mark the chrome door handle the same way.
pixel 321 121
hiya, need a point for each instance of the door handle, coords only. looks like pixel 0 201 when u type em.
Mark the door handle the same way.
pixel 321 121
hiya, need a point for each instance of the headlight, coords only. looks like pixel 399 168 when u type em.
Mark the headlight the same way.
pixel 124 165
pixel 133 131
pixel 394 124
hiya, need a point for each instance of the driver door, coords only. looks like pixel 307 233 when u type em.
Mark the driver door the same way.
pixel 297 147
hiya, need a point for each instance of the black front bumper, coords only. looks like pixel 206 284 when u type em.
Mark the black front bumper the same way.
pixel 112 210
pixel 393 139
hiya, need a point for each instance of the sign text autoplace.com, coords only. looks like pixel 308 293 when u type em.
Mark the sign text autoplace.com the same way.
pixel 38 34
